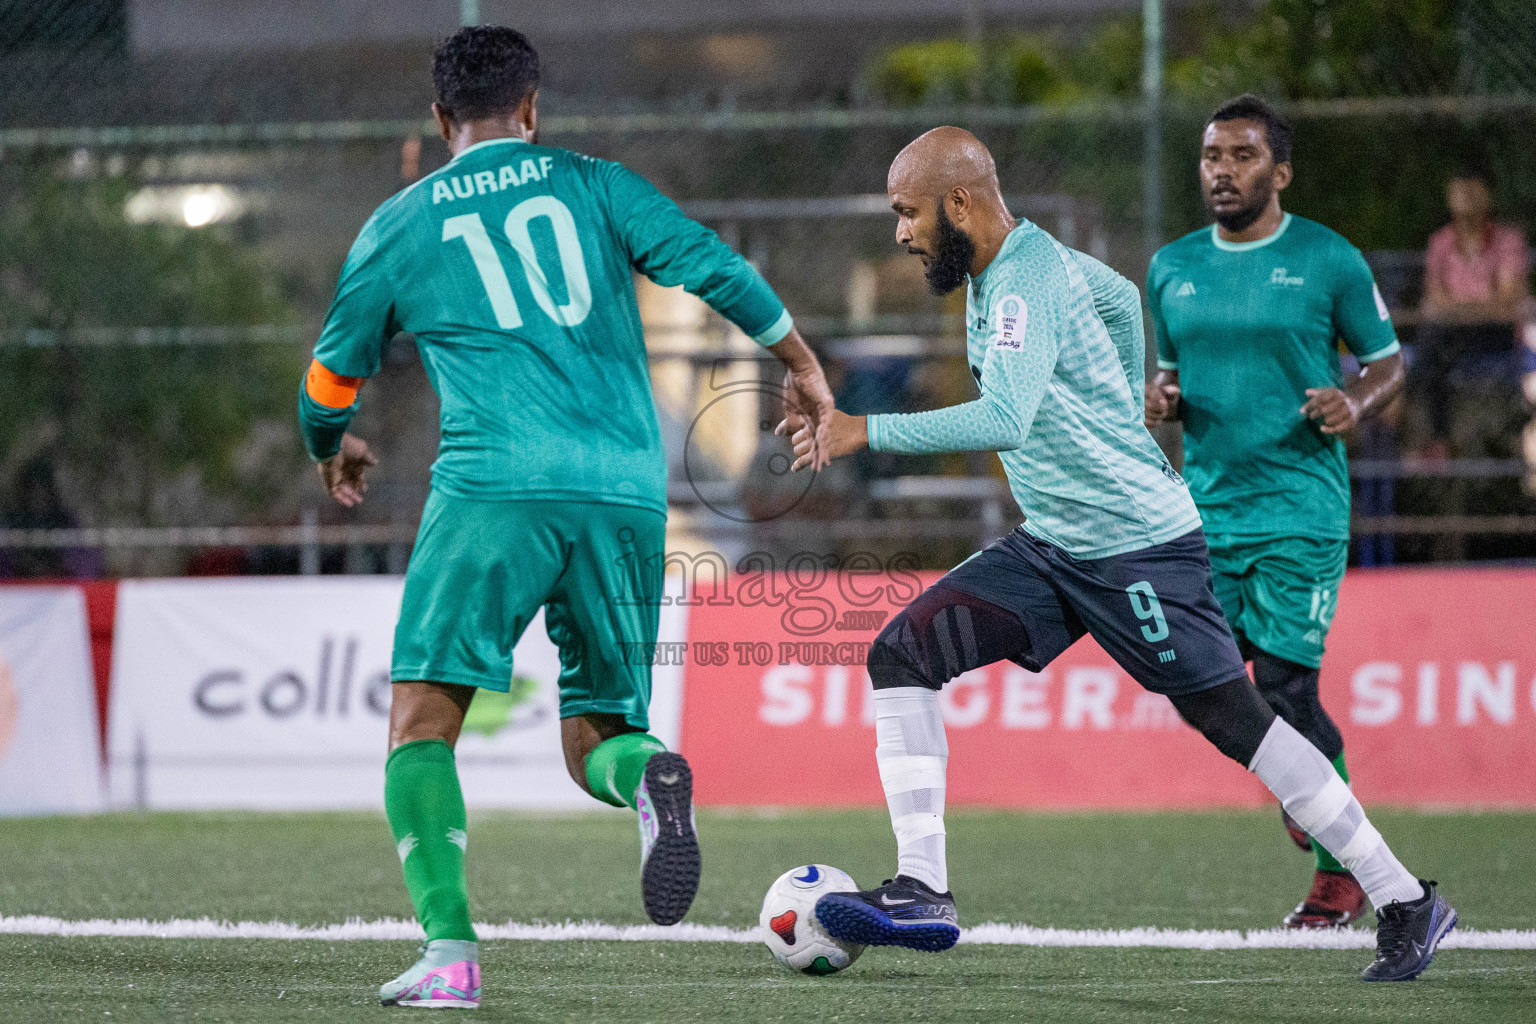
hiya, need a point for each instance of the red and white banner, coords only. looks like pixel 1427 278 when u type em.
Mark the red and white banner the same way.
pixel 275 693
pixel 1431 674
pixel 50 758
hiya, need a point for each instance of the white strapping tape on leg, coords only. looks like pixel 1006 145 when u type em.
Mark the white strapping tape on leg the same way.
pixel 911 771
pixel 1362 844
pixel 1325 806
pixel 910 828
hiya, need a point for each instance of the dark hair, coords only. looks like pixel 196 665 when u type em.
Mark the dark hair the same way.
pixel 483 71
pixel 1472 170
pixel 1248 107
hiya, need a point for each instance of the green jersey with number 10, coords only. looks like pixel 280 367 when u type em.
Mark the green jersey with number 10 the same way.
pixel 513 267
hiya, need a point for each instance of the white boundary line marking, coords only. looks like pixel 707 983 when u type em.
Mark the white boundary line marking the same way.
pixel 991 934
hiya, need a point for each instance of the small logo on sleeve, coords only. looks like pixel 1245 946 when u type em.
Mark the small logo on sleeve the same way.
pixel 1185 290
pixel 1012 316
pixel 1381 304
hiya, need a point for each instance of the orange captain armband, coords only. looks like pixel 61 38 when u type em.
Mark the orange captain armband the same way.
pixel 331 390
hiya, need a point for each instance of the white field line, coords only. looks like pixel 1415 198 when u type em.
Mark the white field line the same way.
pixel 992 934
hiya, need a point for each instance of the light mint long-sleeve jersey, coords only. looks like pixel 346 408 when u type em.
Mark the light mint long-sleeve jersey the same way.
pixel 1055 341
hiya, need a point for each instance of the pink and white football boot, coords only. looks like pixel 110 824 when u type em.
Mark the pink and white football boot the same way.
pixel 446 976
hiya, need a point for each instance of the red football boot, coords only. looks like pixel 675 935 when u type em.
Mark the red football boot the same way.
pixel 1336 900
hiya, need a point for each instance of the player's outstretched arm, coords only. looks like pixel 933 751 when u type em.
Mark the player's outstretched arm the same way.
pixel 844 435
pixel 1162 400
pixel 807 398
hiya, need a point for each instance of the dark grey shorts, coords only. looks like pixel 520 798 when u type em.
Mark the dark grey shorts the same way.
pixel 1024 600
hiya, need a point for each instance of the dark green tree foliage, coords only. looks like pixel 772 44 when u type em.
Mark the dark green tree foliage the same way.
pixel 1017 69
pixel 1325 49
pixel 1378 177
pixel 138 433
pixel 1293 49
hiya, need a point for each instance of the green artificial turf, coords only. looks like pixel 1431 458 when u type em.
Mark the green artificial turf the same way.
pixel 1208 870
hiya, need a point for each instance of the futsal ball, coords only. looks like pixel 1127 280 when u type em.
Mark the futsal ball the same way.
pixel 789 924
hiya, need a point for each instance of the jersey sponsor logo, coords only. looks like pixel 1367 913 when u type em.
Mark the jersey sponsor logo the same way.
pixel 1280 276
pixel 1381 304
pixel 1185 290
pixel 1012 316
pixel 511 175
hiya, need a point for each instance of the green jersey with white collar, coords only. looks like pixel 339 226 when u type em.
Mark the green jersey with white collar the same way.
pixel 513 266
pixel 1250 327
pixel 1055 342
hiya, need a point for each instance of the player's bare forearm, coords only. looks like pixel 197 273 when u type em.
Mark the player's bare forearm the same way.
pixel 845 435
pixel 1162 398
pixel 1378 384
pixel 794 353
pixel 1338 410
pixel 344 474
pixel 807 398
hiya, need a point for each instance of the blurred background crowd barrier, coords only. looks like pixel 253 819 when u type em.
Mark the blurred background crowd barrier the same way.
pixel 180 181
pixel 273 693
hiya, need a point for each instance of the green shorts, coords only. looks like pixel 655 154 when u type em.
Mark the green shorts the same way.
pixel 1279 593
pixel 482 569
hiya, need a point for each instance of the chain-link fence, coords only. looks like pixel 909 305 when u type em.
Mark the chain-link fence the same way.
pixel 161 281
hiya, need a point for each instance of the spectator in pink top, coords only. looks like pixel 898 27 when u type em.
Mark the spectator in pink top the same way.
pixel 1475 271
pixel 1475 290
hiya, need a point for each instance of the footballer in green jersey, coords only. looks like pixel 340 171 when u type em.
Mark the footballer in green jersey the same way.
pixel 513 268
pixel 1249 314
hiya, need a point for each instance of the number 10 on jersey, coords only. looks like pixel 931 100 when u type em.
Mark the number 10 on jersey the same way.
pixel 493 274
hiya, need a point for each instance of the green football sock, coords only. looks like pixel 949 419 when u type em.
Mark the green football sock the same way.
pixel 615 766
pixel 1325 860
pixel 426 814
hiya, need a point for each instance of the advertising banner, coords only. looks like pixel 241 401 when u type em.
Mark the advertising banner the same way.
pixel 1430 674
pixel 50 754
pixel 275 693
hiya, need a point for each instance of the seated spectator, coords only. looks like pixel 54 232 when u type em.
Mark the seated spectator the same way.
pixel 1475 291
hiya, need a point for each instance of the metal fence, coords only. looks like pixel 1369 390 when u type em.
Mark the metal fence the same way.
pixel 160 284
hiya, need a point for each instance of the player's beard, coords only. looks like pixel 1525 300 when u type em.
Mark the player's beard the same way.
pixel 953 254
pixel 1240 219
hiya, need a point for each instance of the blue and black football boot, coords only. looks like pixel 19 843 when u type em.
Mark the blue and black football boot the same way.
pixel 903 912
pixel 1407 934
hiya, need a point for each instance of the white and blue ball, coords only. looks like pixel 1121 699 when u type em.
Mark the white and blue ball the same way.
pixel 789 924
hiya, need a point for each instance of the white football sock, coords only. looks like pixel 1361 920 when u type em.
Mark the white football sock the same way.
pixel 1311 791
pixel 912 753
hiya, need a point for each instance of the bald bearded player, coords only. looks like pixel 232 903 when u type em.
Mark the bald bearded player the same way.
pixel 1111 546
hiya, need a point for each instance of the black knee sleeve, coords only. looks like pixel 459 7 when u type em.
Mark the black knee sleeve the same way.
pixel 1233 716
pixel 895 660
pixel 1291 689
pixel 940 635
